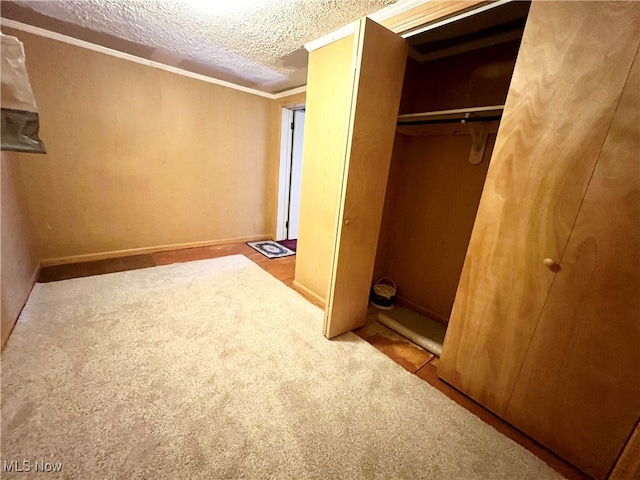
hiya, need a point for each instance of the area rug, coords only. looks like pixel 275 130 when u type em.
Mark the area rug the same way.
pixel 215 369
pixel 290 244
pixel 271 249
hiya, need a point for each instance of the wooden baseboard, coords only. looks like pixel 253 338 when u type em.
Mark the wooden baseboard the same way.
pixel 49 262
pixel 309 295
pixel 6 330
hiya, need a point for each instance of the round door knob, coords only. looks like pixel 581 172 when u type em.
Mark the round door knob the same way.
pixel 347 222
pixel 549 262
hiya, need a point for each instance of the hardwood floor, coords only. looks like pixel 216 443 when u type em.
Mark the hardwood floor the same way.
pixel 415 359
pixel 97 267
pixel 402 351
pixel 281 268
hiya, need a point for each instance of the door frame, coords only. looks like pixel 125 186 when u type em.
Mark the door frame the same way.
pixel 284 172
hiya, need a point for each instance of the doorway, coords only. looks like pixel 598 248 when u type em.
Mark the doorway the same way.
pixel 292 136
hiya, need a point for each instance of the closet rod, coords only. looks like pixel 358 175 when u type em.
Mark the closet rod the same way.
pixel 450 120
pixel 487 113
pixel 469 110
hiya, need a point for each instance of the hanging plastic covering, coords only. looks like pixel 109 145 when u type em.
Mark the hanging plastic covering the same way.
pixel 20 122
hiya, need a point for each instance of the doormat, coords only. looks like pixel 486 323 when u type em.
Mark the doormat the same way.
pixel 271 249
pixel 290 244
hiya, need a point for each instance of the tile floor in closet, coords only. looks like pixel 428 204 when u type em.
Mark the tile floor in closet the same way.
pixel 402 351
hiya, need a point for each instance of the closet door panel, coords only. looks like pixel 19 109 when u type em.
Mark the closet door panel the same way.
pixel 571 68
pixel 330 88
pixel 579 389
pixel 374 111
pixel 628 464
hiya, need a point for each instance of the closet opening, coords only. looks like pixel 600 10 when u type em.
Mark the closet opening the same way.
pixel 455 88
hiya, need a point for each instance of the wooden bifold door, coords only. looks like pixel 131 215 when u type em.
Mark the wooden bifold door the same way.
pixel 544 329
pixel 354 88
pixel 381 59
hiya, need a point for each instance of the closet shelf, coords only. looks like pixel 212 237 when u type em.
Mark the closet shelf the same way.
pixel 461 115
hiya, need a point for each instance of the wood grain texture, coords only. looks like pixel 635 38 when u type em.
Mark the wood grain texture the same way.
pixel 429 373
pixel 309 295
pixel 281 268
pixel 442 129
pixel 628 465
pixel 571 69
pixel 429 12
pixel 20 259
pixel 92 257
pixel 388 211
pixel 329 90
pixel 381 62
pixel 385 340
pixel 473 79
pixel 581 408
pixel 96 267
pixel 401 350
pixel 429 222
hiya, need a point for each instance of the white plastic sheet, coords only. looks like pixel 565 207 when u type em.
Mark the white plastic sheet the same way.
pixel 20 120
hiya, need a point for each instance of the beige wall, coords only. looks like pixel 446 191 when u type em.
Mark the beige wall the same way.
pixel 20 261
pixel 139 157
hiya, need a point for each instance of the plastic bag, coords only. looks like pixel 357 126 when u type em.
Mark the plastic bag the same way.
pixel 20 120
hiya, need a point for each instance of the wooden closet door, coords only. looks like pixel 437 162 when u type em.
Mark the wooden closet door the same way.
pixel 579 389
pixel 330 83
pixel 382 57
pixel 571 68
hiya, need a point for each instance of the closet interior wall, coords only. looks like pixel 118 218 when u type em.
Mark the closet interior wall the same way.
pixel 433 190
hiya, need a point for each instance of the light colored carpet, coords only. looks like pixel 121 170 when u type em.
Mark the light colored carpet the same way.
pixel 215 369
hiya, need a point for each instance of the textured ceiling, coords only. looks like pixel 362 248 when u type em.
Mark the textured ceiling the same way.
pixel 254 43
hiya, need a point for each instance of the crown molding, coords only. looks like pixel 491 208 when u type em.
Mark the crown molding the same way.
pixel 143 61
pixel 395 9
pixel 481 7
pixel 386 13
pixel 288 93
pixel 331 37
pixel 421 15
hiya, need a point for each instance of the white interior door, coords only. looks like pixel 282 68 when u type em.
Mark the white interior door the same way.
pixel 296 175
